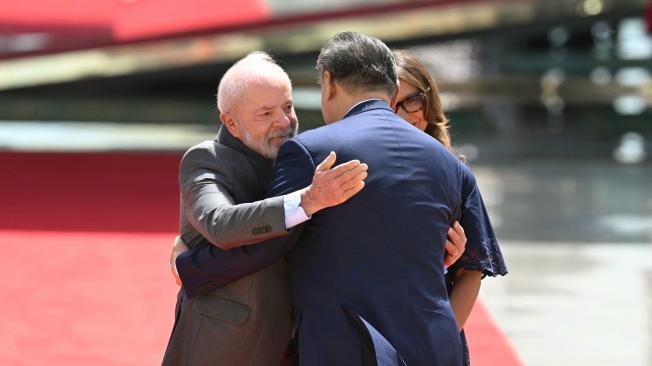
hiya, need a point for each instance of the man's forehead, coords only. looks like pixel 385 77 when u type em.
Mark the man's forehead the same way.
pixel 267 80
pixel 273 89
pixel 254 72
pixel 253 101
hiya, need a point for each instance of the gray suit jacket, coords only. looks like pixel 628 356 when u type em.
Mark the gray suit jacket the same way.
pixel 248 321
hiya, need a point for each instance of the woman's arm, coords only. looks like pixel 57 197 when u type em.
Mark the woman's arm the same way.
pixel 464 294
pixel 481 257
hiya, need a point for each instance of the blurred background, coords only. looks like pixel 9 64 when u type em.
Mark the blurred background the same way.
pixel 550 100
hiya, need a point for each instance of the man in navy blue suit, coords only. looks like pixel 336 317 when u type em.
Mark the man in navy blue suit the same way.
pixel 367 276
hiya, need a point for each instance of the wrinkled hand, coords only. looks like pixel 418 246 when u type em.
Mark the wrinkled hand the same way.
pixel 331 187
pixel 455 244
pixel 178 248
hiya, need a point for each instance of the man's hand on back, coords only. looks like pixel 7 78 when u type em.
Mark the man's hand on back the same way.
pixel 455 244
pixel 333 186
pixel 178 248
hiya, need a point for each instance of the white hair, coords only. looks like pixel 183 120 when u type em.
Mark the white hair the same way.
pixel 235 81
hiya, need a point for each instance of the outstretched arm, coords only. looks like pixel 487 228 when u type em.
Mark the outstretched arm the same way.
pixel 209 267
pixel 211 210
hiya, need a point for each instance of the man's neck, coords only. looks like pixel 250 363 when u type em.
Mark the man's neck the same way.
pixel 352 100
pixel 349 101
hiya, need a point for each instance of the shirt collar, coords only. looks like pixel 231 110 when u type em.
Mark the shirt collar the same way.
pixel 366 105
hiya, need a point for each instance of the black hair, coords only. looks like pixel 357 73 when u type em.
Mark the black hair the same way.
pixel 359 62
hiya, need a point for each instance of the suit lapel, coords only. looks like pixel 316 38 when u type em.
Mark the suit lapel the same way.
pixel 260 167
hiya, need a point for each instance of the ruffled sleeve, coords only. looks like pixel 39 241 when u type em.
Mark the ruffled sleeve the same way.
pixel 482 251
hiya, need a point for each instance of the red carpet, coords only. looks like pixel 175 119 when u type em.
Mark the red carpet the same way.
pixel 488 344
pixel 85 298
pixel 85 241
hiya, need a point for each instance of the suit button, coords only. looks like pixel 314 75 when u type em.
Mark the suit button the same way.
pixel 261 230
pixel 206 287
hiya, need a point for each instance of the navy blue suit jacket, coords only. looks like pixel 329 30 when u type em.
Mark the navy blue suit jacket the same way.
pixel 368 275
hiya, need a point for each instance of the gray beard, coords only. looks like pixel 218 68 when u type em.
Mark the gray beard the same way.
pixel 263 146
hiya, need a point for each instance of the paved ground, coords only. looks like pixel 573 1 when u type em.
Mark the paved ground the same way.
pixel 577 237
pixel 575 304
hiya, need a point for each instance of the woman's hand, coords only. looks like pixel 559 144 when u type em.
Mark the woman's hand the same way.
pixel 455 244
pixel 178 248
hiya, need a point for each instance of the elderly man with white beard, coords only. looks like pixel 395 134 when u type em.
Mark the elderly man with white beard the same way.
pixel 221 183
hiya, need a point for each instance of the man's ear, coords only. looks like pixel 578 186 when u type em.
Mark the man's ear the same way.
pixel 394 98
pixel 230 124
pixel 330 88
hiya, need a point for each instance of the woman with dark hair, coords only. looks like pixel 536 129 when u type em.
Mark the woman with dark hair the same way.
pixel 418 100
pixel 419 104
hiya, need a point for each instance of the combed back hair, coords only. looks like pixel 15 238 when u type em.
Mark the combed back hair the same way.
pixel 359 63
pixel 233 85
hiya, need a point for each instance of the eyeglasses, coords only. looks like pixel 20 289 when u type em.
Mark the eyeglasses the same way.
pixel 412 103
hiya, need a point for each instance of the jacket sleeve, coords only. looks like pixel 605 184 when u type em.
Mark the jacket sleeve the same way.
pixel 211 210
pixel 207 267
